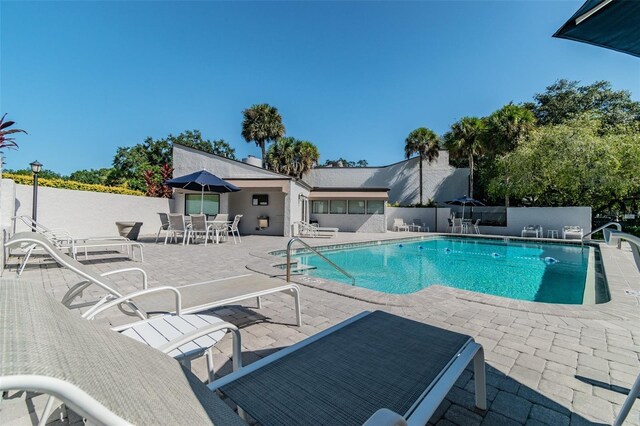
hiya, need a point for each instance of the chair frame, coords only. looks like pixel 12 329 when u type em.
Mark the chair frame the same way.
pixel 397 226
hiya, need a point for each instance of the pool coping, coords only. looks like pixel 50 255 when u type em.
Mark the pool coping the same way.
pixel 617 308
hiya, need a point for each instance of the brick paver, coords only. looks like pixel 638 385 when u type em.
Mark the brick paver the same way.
pixel 546 364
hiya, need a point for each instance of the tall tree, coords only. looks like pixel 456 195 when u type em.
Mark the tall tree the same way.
pixel 341 162
pixel 194 139
pixel 424 142
pixel 5 141
pixel 506 127
pixel 262 124
pixel 465 139
pixel 292 157
pixel 565 100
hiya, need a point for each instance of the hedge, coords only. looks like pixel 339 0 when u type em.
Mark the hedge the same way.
pixel 71 184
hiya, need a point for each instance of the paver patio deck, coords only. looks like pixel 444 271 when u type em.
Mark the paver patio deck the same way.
pixel 546 364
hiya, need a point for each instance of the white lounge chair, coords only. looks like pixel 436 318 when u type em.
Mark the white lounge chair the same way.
pixel 64 241
pixel 314 230
pixel 341 375
pixel 532 230
pixel 572 232
pixel 195 297
pixel 399 225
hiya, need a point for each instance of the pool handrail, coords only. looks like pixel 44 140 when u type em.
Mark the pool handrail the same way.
pixel 616 224
pixel 297 239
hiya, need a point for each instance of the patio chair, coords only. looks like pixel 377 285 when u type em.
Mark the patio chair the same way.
pixel 177 228
pixel 195 298
pixel 64 241
pixel 306 230
pixel 199 227
pixel 164 220
pixel 399 225
pixel 342 375
pixel 569 232
pixel 459 224
pixel 476 226
pixel 233 228
pixel 418 225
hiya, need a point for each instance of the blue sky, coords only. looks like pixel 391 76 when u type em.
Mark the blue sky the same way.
pixel 353 77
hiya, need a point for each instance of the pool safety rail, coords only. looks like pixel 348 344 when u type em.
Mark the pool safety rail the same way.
pixel 616 224
pixel 336 267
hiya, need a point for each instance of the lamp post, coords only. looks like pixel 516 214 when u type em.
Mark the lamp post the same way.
pixel 35 168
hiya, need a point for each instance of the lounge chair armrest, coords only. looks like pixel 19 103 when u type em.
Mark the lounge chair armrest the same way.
pixel 91 313
pixel 145 279
pixel 203 331
pixel 385 417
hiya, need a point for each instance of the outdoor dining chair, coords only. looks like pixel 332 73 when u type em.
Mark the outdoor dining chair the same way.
pixel 164 220
pixel 233 228
pixel 199 228
pixel 177 228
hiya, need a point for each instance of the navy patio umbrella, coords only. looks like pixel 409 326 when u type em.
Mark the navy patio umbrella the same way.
pixel 612 24
pixel 202 181
pixel 463 201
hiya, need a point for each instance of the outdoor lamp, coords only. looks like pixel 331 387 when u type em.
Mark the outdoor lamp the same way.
pixel 35 168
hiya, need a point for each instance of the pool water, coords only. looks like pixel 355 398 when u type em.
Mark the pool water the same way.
pixel 553 273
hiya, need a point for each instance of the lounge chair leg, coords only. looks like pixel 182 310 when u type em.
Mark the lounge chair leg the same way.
pixel 210 369
pixel 46 413
pixel 259 302
pixel 26 259
pixel 480 379
pixel 296 301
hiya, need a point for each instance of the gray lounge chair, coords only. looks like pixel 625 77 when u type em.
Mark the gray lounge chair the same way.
pixel 196 297
pixel 366 369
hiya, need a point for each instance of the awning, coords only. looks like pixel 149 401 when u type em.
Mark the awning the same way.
pixel 614 24
pixel 348 195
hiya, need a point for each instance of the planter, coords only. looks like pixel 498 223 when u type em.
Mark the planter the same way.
pixel 130 230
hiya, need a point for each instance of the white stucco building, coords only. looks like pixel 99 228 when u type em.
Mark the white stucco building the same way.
pixel 352 199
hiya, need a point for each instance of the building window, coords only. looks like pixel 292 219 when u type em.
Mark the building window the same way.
pixel 356 206
pixel 320 207
pixel 210 205
pixel 338 207
pixel 375 207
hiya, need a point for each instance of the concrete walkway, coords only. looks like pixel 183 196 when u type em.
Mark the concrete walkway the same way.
pixel 546 364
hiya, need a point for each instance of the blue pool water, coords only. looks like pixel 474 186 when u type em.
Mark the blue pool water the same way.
pixel 553 273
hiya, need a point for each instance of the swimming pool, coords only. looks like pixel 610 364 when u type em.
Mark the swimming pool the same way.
pixel 539 272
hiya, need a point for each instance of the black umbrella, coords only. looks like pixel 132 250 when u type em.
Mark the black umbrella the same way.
pixel 463 201
pixel 202 181
pixel 612 24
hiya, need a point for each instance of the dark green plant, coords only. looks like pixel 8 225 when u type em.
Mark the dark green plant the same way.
pixel 465 140
pixel 5 141
pixel 425 143
pixel 262 124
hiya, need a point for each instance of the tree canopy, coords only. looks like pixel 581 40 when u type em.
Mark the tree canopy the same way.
pixel 425 143
pixel 341 162
pixel 262 124
pixel 465 139
pixel 292 157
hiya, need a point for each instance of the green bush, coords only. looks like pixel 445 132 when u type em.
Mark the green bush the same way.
pixel 70 184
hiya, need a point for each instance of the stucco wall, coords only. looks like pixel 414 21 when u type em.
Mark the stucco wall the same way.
pixel 547 217
pixel 293 207
pixel 352 222
pixel 187 160
pixel 89 214
pixel 427 215
pixel 441 182
pixel 240 203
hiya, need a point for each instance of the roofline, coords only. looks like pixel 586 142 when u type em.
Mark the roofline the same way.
pixel 372 167
pixel 230 159
pixel 350 189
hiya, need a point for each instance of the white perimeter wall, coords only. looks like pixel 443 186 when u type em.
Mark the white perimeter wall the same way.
pixel 88 214
pixel 352 222
pixel 426 214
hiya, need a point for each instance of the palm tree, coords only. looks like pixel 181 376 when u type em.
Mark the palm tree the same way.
pixel 292 157
pixel 6 142
pixel 465 140
pixel 423 142
pixel 262 124
pixel 508 126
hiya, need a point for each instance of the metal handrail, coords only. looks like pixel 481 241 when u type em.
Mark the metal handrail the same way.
pixel 616 224
pixel 339 269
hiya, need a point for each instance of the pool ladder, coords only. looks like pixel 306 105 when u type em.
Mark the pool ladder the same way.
pixel 336 267
pixel 616 224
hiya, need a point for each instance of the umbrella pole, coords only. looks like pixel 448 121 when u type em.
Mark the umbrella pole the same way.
pixel 202 201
